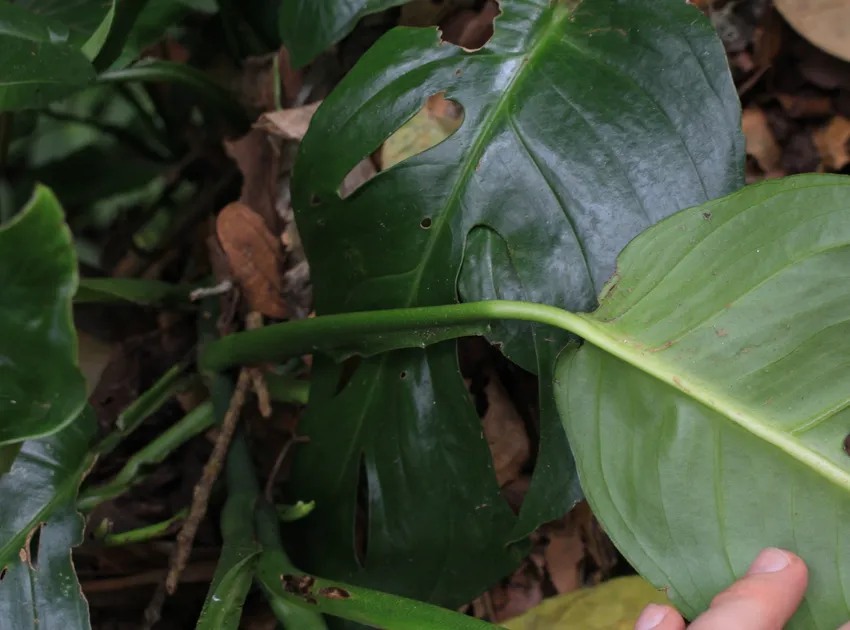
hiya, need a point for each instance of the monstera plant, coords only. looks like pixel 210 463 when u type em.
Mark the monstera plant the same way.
pixel 588 217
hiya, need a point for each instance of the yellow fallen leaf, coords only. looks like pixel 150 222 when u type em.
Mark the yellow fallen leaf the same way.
pixel 613 605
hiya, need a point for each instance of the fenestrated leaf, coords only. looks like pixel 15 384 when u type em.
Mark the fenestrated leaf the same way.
pixel 709 407
pixel 308 27
pixel 41 386
pixel 40 588
pixel 581 128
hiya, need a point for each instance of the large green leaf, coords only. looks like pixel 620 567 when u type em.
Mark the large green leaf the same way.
pixel 40 588
pixel 308 27
pixel 81 17
pixel 708 414
pixel 581 128
pixel 34 74
pixel 41 386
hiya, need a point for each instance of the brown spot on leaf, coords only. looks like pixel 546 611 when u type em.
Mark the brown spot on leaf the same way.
pixel 300 585
pixel 706 216
pixel 334 592
pixel 722 332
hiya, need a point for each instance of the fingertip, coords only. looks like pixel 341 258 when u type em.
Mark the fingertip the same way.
pixel 655 617
pixel 764 599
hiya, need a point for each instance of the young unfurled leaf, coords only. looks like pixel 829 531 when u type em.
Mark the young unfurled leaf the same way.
pixel 709 407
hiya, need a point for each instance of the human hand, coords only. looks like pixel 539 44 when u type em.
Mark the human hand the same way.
pixel 764 599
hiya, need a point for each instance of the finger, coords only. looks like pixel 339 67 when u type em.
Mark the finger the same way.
pixel 846 626
pixel 656 617
pixel 764 599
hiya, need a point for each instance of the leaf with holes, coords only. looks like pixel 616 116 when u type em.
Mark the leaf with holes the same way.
pixel 582 127
pixel 308 27
pixel 38 526
pixel 41 386
pixel 709 410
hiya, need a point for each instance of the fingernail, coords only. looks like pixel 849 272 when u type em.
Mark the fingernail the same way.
pixel 769 561
pixel 651 617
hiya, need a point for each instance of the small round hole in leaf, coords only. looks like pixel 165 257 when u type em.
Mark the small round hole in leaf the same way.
pixel 403 375
pixel 425 223
pixel 314 200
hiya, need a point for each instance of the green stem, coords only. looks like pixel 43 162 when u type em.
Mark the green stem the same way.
pixel 287 389
pixel 171 72
pixel 196 421
pixel 144 534
pixel 362 605
pixel 242 486
pixel 387 329
pixel 169 384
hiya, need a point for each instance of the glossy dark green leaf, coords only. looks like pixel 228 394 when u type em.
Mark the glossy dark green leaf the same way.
pixel 40 588
pixel 18 22
pixel 32 74
pixel 41 386
pixel 81 18
pixel 308 27
pixel 708 408
pixel 581 129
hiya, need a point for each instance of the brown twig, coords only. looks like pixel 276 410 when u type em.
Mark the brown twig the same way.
pixel 194 573
pixel 253 321
pixel 200 498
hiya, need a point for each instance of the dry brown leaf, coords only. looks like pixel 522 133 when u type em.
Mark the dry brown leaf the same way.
pixel 564 555
pixel 761 143
pixel 505 432
pixel 832 142
pixel 258 164
pixel 825 23
pixel 255 257
pixel 292 125
pixel 288 124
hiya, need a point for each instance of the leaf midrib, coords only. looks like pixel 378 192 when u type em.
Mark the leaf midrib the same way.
pixel 695 388
pixel 475 152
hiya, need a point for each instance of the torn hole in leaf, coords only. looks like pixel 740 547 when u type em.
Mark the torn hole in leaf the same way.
pixel 438 119
pixel 361 517
pixel 435 122
pixel 349 367
pixel 3 573
pixel 471 29
pixel 29 552
pixel 499 392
